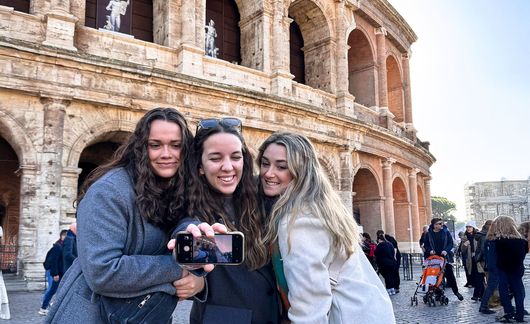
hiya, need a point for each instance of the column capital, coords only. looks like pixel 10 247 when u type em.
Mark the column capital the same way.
pixel 381 31
pixel 406 56
pixel 388 162
pixel 413 172
pixel 48 99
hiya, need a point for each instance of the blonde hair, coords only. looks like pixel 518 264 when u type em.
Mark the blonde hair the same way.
pixel 503 227
pixel 309 191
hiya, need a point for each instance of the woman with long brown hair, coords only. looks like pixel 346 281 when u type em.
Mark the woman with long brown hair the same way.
pixel 511 249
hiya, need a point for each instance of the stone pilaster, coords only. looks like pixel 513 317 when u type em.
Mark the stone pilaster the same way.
pixel 60 25
pixel 389 224
pixel 167 25
pixel 410 131
pixel 281 75
pixel 380 35
pixel 191 50
pixel 428 202
pixel 345 100
pixel 414 209
pixel 346 177
pixel 256 48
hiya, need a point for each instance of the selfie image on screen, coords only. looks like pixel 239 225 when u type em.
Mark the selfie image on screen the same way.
pixel 218 250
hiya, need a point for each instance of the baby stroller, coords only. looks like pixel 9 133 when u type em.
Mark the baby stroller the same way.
pixel 431 282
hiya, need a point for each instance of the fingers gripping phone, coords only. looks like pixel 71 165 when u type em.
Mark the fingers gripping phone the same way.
pixel 224 249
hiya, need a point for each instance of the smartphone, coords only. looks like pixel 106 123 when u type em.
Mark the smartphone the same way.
pixel 224 249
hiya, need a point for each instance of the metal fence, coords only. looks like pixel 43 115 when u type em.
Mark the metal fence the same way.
pixel 8 258
pixel 407 264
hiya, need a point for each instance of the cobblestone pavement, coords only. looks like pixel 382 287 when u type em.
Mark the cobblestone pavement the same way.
pixel 24 306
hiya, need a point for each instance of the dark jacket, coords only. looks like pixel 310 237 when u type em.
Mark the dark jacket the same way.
pixel 480 246
pixel 56 259
pixel 446 244
pixel 392 240
pixel 69 250
pixel 384 255
pixel 511 254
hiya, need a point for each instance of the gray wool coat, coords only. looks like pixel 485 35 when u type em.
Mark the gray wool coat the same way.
pixel 120 253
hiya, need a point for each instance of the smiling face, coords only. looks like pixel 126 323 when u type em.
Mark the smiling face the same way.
pixel 222 162
pixel 164 146
pixel 274 171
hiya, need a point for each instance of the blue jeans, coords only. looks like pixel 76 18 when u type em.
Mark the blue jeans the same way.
pixel 50 290
pixel 493 283
pixel 513 282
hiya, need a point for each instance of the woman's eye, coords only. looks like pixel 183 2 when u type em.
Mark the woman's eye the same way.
pixel 154 145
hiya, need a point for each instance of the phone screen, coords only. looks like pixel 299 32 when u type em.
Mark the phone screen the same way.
pixel 223 249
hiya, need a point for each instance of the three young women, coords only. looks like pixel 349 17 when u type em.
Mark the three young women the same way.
pixel 126 209
pixel 323 274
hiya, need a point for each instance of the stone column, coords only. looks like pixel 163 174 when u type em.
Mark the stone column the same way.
pixel 344 98
pixel 346 177
pixel 414 209
pixel 281 75
pixel 380 35
pixel 167 25
pixel 191 51
pixel 428 202
pixel 32 242
pixel 60 24
pixel 388 225
pixel 409 127
pixel 255 43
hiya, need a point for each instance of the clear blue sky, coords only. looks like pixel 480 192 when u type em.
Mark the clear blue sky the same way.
pixel 470 78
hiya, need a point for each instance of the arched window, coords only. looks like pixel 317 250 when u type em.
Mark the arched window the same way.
pixel 136 20
pixel 225 16
pixel 296 55
pixel 18 5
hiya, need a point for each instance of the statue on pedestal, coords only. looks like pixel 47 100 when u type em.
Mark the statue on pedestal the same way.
pixel 209 41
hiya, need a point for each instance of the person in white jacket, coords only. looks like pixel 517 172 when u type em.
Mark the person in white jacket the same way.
pixel 323 275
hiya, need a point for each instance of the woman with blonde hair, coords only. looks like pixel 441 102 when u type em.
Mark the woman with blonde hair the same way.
pixel 323 275
pixel 511 249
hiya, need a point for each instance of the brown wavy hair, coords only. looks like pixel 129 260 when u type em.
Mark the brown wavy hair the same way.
pixel 160 202
pixel 503 227
pixel 206 203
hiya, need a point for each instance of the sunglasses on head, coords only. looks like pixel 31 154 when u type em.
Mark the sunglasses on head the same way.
pixel 228 122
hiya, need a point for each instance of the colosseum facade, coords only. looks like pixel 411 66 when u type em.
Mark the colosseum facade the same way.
pixel 71 91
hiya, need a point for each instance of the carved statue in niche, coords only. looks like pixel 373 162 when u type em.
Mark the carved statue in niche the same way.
pixel 209 41
pixel 117 9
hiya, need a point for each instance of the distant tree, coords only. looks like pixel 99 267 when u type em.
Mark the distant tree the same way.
pixel 443 208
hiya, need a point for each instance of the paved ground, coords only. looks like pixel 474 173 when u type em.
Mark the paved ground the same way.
pixel 24 306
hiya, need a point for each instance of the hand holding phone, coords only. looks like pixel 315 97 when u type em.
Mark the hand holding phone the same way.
pixel 222 249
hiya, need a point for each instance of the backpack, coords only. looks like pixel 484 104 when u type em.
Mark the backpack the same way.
pixel 48 260
pixel 373 246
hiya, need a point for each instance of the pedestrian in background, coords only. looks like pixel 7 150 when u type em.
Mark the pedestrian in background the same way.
pixel 70 247
pixel 387 263
pixel 511 250
pixel 54 271
pixel 397 255
pixel 439 241
pixel 422 238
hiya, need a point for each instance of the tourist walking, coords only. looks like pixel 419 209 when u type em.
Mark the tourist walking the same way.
pixel 53 264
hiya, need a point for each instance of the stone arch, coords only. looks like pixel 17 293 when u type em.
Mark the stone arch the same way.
pixel 362 70
pixel 401 209
pixel 13 132
pixel 330 171
pixel 316 31
pixel 367 202
pixel 95 134
pixel 395 89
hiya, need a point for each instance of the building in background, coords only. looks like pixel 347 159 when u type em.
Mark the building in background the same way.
pixel 487 200
pixel 76 75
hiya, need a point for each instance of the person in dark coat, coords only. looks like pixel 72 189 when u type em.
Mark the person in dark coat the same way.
pixel 392 240
pixel 480 259
pixel 70 247
pixel 511 250
pixel 440 242
pixel 387 263
pixel 54 259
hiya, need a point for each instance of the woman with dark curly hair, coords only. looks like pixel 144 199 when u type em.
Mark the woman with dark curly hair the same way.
pixel 222 189
pixel 126 209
